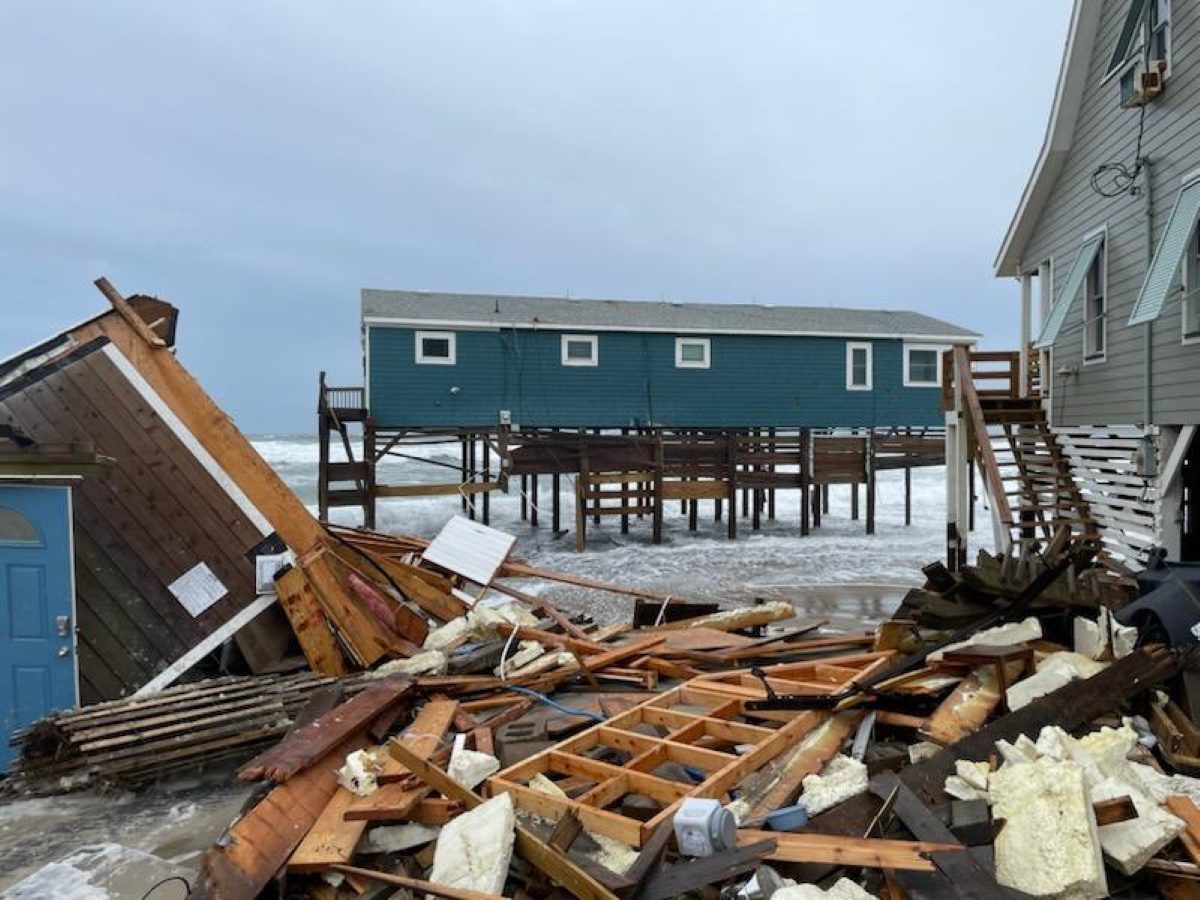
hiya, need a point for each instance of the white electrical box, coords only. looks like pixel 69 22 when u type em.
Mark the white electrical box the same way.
pixel 704 827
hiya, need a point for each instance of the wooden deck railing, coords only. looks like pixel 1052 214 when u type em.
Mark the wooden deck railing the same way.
pixel 965 376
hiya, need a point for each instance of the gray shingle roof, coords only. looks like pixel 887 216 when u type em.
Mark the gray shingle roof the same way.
pixel 642 315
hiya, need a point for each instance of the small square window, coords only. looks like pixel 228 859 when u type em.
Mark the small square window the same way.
pixel 858 366
pixel 436 348
pixel 922 366
pixel 580 350
pixel 692 353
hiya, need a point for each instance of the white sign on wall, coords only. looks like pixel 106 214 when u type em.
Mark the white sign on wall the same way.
pixel 197 589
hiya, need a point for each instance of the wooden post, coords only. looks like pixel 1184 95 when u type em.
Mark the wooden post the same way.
pixel 771 470
pixel 805 478
pixel 870 460
pixel 322 457
pixel 580 503
pixel 534 499
pixel 825 497
pixel 657 522
pixel 971 494
pixel 625 488
pixel 731 482
pixel 463 474
pixel 471 474
pixel 854 501
pixel 596 518
pixel 556 503
pixel 369 482
pixel 487 476
pixel 908 495
pixel 524 497
pixel 816 506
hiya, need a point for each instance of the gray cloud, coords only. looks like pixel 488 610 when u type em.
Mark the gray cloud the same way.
pixel 258 163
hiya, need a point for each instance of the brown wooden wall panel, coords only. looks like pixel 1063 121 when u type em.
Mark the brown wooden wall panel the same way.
pixel 149 519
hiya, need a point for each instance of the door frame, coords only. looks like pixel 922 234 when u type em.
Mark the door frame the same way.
pixel 66 484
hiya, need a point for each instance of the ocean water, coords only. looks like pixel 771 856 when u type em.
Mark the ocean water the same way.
pixel 837 572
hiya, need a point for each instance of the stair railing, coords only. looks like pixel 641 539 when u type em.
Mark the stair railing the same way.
pixel 965 376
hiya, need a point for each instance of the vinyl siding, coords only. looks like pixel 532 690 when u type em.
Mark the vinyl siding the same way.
pixel 752 381
pixel 1112 392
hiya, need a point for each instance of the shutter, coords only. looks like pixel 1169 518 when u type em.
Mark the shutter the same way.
pixel 1164 268
pixel 1058 314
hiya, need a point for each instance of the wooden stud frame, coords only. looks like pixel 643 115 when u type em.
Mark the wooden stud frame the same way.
pixel 697 720
pixel 812 679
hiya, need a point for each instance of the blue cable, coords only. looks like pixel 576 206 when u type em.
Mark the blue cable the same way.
pixel 595 717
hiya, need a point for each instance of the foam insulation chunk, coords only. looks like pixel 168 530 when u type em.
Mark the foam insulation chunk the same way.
pixel 1008 635
pixel 1096 639
pixel 427 662
pixel 1053 672
pixel 474 849
pixel 527 652
pixel 960 790
pixel 359 773
pixel 973 773
pixel 922 750
pixel 842 889
pixel 1049 846
pixel 842 778
pixel 487 615
pixel 454 631
pixel 1131 844
pixel 470 767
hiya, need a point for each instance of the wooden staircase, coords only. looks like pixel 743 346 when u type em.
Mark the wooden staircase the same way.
pixel 1028 476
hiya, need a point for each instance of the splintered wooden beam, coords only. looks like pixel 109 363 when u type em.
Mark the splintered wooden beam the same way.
pixel 414 884
pixel 537 852
pixel 842 850
pixel 302 747
pixel 331 840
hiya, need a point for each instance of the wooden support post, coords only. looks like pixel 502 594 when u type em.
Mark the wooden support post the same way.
pixel 625 490
pixel 870 459
pixel 908 495
pixel 771 468
pixel 596 517
pixel 825 498
pixel 534 499
pixel 524 498
pixel 463 473
pixel 487 477
pixel 581 486
pixel 556 502
pixel 470 474
pixel 971 494
pixel 805 478
pixel 731 482
pixel 369 482
pixel 322 457
pixel 693 513
pixel 854 501
pixel 657 525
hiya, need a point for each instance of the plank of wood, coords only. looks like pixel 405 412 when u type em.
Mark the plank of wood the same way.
pixel 842 850
pixel 435 599
pixel 331 839
pixel 258 845
pixel 299 602
pixel 1117 809
pixel 598 661
pixel 365 636
pixel 300 748
pixel 414 884
pixel 1184 808
pixel 531 848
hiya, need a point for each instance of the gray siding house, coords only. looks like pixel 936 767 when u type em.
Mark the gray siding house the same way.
pixel 1105 247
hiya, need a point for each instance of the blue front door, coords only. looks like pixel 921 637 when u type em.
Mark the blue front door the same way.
pixel 37 646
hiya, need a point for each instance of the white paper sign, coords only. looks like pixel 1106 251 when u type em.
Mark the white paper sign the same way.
pixel 197 589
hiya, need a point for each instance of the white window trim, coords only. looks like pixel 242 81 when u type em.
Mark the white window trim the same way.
pixel 937 381
pixel 1097 358
pixel 1185 284
pixel 851 346
pixel 424 360
pixel 681 363
pixel 591 339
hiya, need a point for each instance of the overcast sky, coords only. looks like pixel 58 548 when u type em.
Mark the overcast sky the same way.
pixel 257 163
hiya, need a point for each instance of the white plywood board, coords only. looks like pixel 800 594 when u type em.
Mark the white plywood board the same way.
pixel 470 549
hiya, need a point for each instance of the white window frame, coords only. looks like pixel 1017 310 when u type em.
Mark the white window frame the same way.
pixel 1168 29
pixel 1102 259
pixel 1189 281
pixel 590 339
pixel 423 360
pixel 851 346
pixel 937 378
pixel 1139 44
pixel 681 363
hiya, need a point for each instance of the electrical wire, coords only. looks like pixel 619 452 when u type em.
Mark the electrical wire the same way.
pixel 186 886
pixel 542 698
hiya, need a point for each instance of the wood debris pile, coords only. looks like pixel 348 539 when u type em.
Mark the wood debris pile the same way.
pixel 1003 735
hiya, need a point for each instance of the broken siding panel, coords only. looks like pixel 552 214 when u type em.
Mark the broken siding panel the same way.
pixel 1113 391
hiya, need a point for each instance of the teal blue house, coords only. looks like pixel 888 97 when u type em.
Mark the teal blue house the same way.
pixel 464 361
